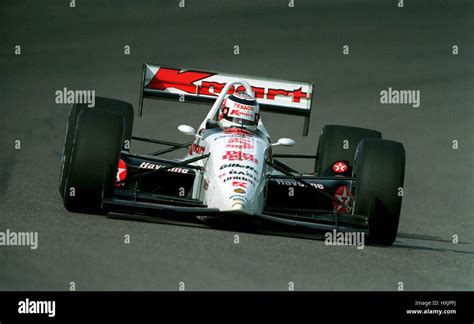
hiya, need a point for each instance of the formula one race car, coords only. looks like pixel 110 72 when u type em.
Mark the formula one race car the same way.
pixel 231 171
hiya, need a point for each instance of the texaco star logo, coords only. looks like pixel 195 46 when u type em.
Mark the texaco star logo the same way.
pixel 342 195
pixel 121 172
pixel 339 167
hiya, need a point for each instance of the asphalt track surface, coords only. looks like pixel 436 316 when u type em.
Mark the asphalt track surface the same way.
pixel 82 48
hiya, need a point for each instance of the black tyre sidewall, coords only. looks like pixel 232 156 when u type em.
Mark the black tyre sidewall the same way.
pixel 122 108
pixel 94 157
pixel 379 171
pixel 68 140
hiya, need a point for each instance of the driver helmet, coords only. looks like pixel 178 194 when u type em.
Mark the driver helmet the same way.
pixel 239 110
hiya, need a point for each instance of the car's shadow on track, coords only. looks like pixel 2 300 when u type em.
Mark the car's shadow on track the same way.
pixel 427 238
pixel 277 230
pixel 399 243
pixel 428 248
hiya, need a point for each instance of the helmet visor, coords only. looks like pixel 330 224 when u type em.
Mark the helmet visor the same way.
pixel 240 121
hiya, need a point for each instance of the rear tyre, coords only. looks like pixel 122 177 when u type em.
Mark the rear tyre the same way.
pixel 331 145
pixel 96 146
pixel 379 171
pixel 121 108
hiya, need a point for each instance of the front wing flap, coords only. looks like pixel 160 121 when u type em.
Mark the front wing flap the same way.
pixel 151 204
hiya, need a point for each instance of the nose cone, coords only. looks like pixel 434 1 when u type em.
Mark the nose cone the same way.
pixel 236 167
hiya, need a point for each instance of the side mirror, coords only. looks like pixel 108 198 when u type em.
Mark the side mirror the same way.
pixel 284 142
pixel 186 130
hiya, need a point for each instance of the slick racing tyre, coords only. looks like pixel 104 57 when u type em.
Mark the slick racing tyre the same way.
pixel 379 171
pixel 339 143
pixel 121 108
pixel 95 153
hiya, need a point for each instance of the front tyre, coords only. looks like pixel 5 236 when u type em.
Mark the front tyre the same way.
pixel 119 107
pixel 379 169
pixel 95 153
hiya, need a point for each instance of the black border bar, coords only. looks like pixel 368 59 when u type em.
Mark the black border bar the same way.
pixel 188 305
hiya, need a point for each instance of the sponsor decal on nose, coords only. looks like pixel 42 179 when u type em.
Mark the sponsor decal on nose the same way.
pixel 238 206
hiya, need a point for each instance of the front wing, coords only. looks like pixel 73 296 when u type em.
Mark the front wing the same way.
pixel 144 204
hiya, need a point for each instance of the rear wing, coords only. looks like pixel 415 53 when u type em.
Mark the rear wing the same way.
pixel 189 85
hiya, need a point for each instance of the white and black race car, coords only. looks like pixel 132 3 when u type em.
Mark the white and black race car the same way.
pixel 231 172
